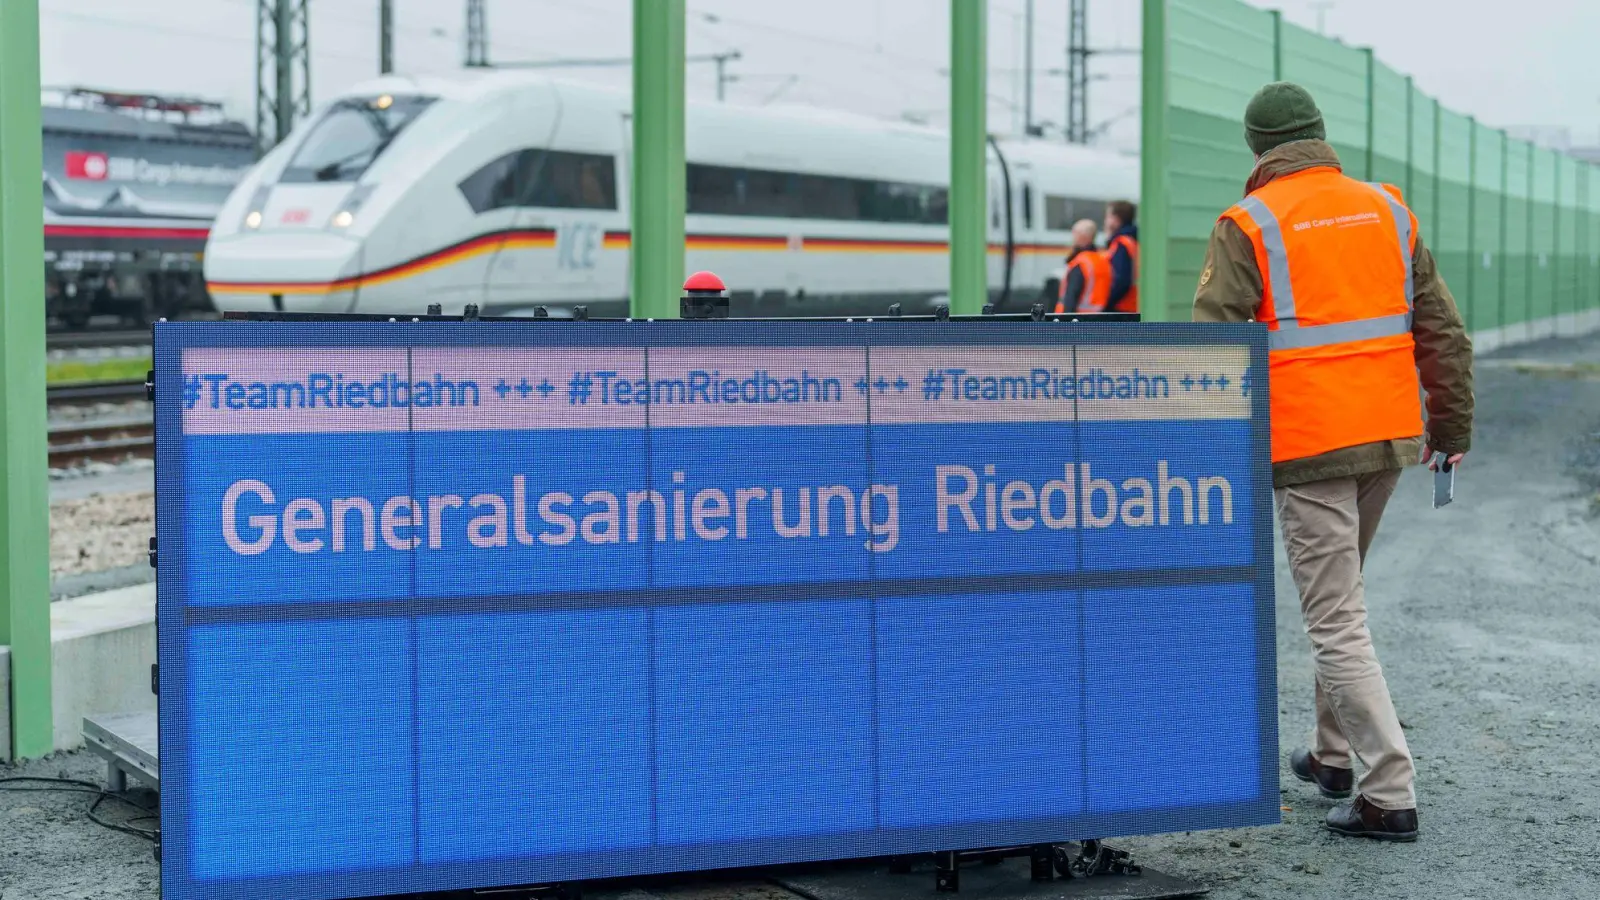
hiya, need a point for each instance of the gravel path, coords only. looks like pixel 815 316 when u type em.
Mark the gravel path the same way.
pixel 1487 619
pixel 1486 616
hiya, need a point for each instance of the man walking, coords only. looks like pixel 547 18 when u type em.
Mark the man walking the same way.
pixel 1355 310
pixel 1088 283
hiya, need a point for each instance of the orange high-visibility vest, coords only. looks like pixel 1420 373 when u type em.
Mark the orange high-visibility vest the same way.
pixel 1096 269
pixel 1130 300
pixel 1335 258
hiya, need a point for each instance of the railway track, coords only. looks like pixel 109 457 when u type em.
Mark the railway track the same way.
pixel 96 392
pixel 109 440
pixel 99 440
pixel 78 340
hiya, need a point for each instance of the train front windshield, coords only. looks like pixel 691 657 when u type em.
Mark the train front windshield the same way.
pixel 351 136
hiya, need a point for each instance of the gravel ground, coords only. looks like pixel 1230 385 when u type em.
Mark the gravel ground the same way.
pixel 72 413
pixel 101 521
pixel 99 532
pixel 1487 619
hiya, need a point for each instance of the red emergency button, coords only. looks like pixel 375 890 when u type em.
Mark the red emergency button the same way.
pixel 706 282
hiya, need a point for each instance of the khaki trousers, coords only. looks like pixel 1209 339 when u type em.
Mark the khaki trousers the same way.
pixel 1327 527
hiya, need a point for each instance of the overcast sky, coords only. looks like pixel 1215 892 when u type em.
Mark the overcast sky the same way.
pixel 1527 64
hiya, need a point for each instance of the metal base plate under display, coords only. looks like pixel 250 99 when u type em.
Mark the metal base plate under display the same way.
pixel 1007 878
pixel 127 742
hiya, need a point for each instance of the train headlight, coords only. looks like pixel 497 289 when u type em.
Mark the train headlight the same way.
pixel 345 216
pixel 258 202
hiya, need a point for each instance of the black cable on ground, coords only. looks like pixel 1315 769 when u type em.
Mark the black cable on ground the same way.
pixel 75 786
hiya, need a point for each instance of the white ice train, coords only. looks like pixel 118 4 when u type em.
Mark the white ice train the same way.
pixel 510 190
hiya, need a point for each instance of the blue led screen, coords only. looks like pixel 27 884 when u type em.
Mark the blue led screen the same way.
pixel 454 605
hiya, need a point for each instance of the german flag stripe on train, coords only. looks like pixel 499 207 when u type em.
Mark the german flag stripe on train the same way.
pixel 545 239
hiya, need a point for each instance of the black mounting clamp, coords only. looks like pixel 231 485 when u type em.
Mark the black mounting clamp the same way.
pixel 1046 862
pixel 895 310
pixel 942 313
pixel 1037 312
pixel 435 309
pixel 704 297
pixel 1095 858
pixel 470 314
pixel 947 871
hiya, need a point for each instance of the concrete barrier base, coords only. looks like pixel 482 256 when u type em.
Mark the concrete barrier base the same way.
pixel 102 648
pixel 1565 325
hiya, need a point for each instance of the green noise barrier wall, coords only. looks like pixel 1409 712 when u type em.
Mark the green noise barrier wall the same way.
pixel 1515 227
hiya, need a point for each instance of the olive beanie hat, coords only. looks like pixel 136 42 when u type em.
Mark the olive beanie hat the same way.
pixel 1279 113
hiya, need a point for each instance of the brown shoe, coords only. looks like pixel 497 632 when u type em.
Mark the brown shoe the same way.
pixel 1359 818
pixel 1332 782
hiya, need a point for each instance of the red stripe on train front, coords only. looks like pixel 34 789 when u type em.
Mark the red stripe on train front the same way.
pixel 132 232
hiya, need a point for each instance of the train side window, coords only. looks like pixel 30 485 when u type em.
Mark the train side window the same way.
pixel 730 191
pixel 494 186
pixel 716 190
pixel 1061 212
pixel 839 199
pixel 771 194
pixel 567 180
pixel 1057 213
pixel 544 178
pixel 1027 205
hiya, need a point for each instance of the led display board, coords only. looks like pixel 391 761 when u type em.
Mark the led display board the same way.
pixel 450 605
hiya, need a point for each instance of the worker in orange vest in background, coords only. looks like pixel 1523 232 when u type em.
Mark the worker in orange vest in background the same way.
pixel 1087 285
pixel 1123 251
pixel 1358 324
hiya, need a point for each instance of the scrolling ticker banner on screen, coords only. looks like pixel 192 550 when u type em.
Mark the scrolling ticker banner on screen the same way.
pixel 450 605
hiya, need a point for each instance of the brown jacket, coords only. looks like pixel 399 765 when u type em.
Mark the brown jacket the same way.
pixel 1231 289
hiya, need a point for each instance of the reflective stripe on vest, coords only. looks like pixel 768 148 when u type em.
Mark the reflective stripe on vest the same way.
pixel 1402 226
pixel 1096 284
pixel 1289 334
pixel 1087 302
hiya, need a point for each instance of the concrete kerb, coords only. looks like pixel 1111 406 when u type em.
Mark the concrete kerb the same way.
pixel 1565 325
pixel 102 647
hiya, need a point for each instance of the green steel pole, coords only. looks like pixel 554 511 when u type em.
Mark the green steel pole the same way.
pixel 969 100
pixel 1411 139
pixel 1505 211
pixel 659 179
pixel 24 491
pixel 1474 259
pixel 1372 113
pixel 1155 200
pixel 1531 264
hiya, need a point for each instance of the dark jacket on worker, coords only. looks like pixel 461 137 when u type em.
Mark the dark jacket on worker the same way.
pixel 1231 289
pixel 1074 289
pixel 1122 266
